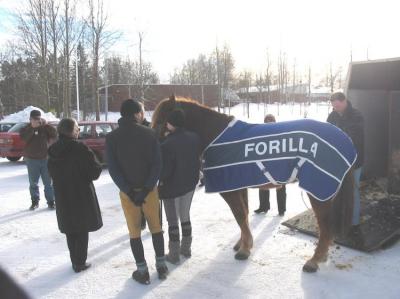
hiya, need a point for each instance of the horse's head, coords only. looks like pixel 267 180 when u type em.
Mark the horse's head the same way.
pixel 161 113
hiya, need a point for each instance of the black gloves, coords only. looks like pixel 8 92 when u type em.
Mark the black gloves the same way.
pixel 138 197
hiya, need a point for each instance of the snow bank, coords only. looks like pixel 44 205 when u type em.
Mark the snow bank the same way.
pixel 23 116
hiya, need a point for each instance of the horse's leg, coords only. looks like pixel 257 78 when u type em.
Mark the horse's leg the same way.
pixel 237 201
pixel 322 211
pixel 246 205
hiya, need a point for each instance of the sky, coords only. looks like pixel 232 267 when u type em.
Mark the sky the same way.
pixel 311 32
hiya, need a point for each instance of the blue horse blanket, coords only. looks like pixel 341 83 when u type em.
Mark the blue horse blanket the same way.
pixel 244 155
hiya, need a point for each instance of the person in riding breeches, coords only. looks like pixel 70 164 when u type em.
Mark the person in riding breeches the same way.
pixel 178 180
pixel 134 163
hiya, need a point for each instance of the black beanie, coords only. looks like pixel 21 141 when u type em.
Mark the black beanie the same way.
pixel 177 118
pixel 130 107
pixel 35 114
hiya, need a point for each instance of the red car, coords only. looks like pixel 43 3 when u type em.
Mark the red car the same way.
pixel 92 133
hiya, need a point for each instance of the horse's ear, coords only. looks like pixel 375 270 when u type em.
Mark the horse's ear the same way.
pixel 172 98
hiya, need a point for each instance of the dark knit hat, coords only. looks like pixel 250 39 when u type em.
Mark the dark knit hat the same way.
pixel 35 114
pixel 130 107
pixel 176 118
pixel 269 118
pixel 338 96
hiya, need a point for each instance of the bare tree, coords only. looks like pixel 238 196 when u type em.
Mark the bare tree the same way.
pixel 71 33
pixel 309 83
pixel 260 85
pixel 282 76
pixel 333 76
pixel 268 76
pixel 99 38
pixel 54 32
pixel 141 77
pixel 294 81
pixel 244 83
pixel 32 26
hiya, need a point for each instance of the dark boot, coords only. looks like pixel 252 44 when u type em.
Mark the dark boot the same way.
pixel 80 268
pixel 35 205
pixel 173 254
pixel 161 267
pixel 264 202
pixel 186 245
pixel 51 205
pixel 281 197
pixel 142 277
pixel 260 210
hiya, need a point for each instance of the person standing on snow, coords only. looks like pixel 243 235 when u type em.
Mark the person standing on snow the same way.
pixel 37 136
pixel 351 121
pixel 134 163
pixel 178 180
pixel 73 167
pixel 280 192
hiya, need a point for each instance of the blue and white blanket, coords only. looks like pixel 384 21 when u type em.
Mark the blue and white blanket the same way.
pixel 245 155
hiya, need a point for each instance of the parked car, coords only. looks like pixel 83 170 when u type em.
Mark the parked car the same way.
pixel 92 133
pixel 4 127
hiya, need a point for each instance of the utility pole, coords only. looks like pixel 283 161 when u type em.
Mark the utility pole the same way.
pixel 106 91
pixel 77 85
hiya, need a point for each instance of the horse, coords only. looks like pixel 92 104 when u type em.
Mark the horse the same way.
pixel 333 216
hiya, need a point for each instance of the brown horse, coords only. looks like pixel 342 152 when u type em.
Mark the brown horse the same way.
pixel 333 216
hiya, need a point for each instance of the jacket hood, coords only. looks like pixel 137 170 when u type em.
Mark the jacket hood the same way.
pixel 62 148
pixel 126 121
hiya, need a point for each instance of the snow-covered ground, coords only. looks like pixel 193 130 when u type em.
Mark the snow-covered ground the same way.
pixel 35 253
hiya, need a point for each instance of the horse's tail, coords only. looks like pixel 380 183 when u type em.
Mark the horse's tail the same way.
pixel 342 206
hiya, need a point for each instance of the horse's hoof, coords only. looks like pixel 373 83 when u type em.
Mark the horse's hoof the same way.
pixel 324 259
pixel 240 255
pixel 310 267
pixel 237 246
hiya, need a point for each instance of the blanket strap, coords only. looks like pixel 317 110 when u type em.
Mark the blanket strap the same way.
pixel 296 170
pixel 266 173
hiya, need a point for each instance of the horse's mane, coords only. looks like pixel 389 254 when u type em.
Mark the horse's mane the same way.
pixel 188 103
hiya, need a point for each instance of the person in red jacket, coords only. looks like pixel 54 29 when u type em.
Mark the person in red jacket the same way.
pixel 38 135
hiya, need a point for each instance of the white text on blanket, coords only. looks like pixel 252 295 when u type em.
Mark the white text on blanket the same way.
pixel 285 145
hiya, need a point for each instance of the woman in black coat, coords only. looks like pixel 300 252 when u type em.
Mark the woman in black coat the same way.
pixel 73 167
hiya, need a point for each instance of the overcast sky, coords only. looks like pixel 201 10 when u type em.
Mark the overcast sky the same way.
pixel 311 31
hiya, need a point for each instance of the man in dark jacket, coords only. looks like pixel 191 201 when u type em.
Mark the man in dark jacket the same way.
pixel 134 163
pixel 73 167
pixel 351 121
pixel 179 177
pixel 37 136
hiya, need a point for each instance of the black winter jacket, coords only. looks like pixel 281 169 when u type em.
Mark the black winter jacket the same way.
pixel 133 156
pixel 181 163
pixel 352 123
pixel 73 167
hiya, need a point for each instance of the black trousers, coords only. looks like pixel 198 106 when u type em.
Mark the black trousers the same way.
pixel 281 198
pixel 78 247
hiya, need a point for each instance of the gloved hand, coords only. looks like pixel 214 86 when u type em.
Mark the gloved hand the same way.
pixel 132 195
pixel 138 197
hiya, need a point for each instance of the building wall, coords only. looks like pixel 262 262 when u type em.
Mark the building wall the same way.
pixel 373 104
